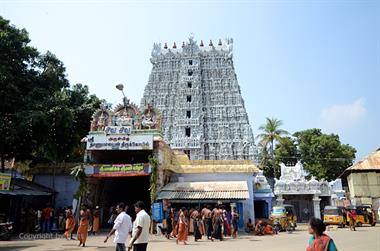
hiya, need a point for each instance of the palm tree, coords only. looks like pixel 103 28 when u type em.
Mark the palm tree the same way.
pixel 271 133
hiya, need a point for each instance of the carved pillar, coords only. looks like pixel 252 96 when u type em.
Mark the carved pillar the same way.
pixel 317 206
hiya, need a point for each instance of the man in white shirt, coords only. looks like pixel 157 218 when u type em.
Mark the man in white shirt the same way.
pixel 140 233
pixel 122 227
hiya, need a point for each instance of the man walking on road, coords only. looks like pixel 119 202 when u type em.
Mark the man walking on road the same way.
pixel 140 234
pixel 122 227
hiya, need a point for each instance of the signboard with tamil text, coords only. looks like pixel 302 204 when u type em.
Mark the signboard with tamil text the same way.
pixel 118 130
pixel 119 142
pixel 118 170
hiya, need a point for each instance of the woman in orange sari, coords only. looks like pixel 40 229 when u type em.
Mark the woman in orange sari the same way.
pixel 70 224
pixel 82 228
pixel 183 227
pixel 96 221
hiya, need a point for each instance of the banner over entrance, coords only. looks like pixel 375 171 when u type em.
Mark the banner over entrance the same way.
pixel 117 170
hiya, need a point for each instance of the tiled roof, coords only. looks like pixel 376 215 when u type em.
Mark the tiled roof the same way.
pixel 371 162
pixel 205 190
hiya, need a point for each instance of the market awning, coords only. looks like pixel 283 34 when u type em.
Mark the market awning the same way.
pixel 215 190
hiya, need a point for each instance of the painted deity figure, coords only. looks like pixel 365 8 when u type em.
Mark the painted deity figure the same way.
pixel 102 122
pixel 123 119
pixel 149 118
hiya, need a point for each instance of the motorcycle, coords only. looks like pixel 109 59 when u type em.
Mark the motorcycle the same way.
pixel 6 231
pixel 276 226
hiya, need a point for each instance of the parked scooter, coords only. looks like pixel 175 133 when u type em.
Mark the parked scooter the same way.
pixel 6 231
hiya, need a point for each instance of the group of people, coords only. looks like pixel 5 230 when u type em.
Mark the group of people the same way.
pixel 89 222
pixel 47 220
pixel 123 227
pixel 214 223
pixel 261 228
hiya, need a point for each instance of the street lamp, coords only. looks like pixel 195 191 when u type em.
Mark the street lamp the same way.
pixel 120 87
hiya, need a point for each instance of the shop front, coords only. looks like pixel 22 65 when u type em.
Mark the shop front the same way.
pixel 231 194
pixel 196 183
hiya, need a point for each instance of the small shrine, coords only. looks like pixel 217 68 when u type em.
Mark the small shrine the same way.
pixel 124 128
pixel 127 114
pixel 308 196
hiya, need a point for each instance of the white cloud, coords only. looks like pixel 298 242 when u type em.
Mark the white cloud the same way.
pixel 343 116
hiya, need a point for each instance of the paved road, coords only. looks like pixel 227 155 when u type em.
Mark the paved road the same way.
pixel 364 239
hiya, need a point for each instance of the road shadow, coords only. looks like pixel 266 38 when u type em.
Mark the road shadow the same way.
pixel 17 247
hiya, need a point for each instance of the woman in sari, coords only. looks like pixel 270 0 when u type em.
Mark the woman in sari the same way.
pixel 96 221
pixel 82 228
pixel 70 224
pixel 318 239
pixel 182 227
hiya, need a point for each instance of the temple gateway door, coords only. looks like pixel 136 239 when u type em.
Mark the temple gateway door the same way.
pixel 303 205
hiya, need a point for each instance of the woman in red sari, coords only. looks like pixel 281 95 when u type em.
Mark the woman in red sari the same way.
pixel 182 227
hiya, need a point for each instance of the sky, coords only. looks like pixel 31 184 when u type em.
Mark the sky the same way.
pixel 312 64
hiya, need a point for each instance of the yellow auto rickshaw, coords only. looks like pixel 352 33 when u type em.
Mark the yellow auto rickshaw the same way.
pixel 334 216
pixel 284 216
pixel 291 214
pixel 365 215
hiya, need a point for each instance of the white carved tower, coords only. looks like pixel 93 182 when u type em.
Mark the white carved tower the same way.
pixel 196 89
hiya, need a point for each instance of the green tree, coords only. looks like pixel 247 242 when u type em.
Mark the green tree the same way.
pixel 69 117
pixel 286 151
pixel 41 118
pixel 28 80
pixel 266 162
pixel 271 133
pixel 323 155
pixel 83 106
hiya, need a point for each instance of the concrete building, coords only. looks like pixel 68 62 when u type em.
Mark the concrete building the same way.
pixel 195 88
pixel 363 180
